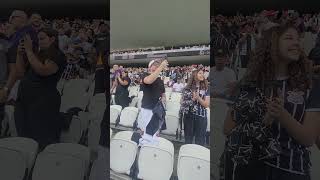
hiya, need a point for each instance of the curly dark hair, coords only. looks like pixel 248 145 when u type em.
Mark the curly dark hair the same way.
pixel 261 67
pixel 193 79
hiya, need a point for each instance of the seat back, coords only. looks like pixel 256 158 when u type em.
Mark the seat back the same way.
pixel 128 116
pixel 172 123
pixel 12 164
pixel 27 147
pixel 193 162
pixel 122 152
pixel 53 166
pixel 156 161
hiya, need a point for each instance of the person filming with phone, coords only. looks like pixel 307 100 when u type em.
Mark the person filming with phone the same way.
pixel 38 102
pixel 153 92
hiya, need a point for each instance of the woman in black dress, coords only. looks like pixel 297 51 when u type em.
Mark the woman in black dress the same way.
pixel 122 93
pixel 38 102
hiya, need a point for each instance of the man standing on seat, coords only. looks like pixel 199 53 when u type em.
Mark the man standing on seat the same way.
pixel 153 91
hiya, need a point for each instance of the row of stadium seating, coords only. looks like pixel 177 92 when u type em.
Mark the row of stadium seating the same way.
pixel 156 162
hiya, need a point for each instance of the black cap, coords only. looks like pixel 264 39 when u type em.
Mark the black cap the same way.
pixel 220 52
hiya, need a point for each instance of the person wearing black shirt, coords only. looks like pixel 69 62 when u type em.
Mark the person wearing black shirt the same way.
pixel 18 21
pixel 38 102
pixel 274 118
pixel 153 90
pixel 122 93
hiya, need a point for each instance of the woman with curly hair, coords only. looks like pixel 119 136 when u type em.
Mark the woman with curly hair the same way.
pixel 195 100
pixel 273 120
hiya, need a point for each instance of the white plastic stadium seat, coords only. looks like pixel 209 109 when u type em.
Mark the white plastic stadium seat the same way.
pixel 27 147
pixel 315 161
pixel 75 150
pixel 168 89
pixel 193 162
pixel 123 152
pixel 74 133
pixel 128 116
pixel 9 119
pixel 219 110
pixel 12 165
pixel 172 122
pixel 168 96
pixel 173 106
pixel 156 161
pixel 176 97
pixel 115 111
pixel 75 94
pixel 134 102
pixel 97 107
pixel 53 166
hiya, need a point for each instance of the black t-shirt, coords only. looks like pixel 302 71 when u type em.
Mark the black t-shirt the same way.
pixel 151 92
pixel 250 109
pixel 36 80
pixel 123 88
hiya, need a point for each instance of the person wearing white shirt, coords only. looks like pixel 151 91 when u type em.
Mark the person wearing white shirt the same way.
pixel 178 86
pixel 222 79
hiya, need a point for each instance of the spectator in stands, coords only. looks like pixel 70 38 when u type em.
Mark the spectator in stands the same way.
pixel 38 103
pixel 122 93
pixel 280 122
pixel 195 101
pixel 18 21
pixel 114 76
pixel 36 21
pixel 315 56
pixel 178 86
pixel 3 67
pixel 222 78
pixel 153 91
pixel 246 45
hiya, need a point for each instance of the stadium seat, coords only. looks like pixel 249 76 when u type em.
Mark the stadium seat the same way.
pixel 168 96
pixel 53 166
pixel 113 101
pixel 173 106
pixel 9 121
pixel 172 122
pixel 75 94
pixel 128 116
pixel 193 162
pixel 315 161
pixel 99 170
pixel 69 149
pixel 176 97
pixel 12 164
pixel 27 147
pixel 155 162
pixel 168 89
pixel 97 107
pixel 123 152
pixel 91 89
pixel 140 96
pixel 134 102
pixel 115 111
pixel 219 110
pixel 74 133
